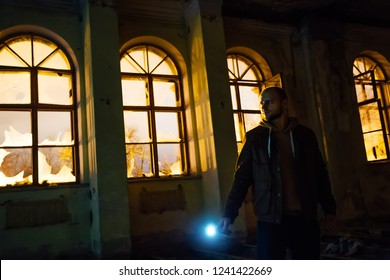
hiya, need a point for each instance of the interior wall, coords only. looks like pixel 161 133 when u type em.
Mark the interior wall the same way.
pixel 315 59
pixel 46 222
pixel 374 178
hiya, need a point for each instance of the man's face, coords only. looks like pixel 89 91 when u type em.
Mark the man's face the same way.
pixel 272 106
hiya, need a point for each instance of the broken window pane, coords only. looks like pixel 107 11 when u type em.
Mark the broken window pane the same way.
pixel 139 161
pixel 55 165
pixel 16 166
pixel 169 159
pixel 152 115
pixel 54 128
pixel 36 132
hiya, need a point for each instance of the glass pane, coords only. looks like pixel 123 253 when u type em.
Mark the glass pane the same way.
pixel 15 129
pixel 129 66
pixel 57 60
pixel 138 161
pixel 54 128
pixel 167 126
pixel 155 57
pixel 54 88
pixel 237 128
pixel 250 75
pixel 231 66
pixel 42 48
pixel 139 55
pixel 55 165
pixel 375 146
pixel 8 58
pixel 359 66
pixel 16 166
pixel 364 90
pixel 251 121
pixel 250 98
pixel 369 117
pixel 169 159
pixel 22 46
pixel 378 74
pixel 136 127
pixel 234 97
pixel 242 66
pixel 135 92
pixel 165 94
pixel 167 67
pixel 15 87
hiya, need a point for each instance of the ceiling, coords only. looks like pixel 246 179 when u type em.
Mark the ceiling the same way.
pixel 376 12
pixel 366 12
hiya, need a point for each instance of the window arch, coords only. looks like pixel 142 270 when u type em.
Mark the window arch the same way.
pixel 37 113
pixel 153 104
pixel 373 100
pixel 246 82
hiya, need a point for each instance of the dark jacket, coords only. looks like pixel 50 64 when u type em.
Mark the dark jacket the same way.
pixel 258 166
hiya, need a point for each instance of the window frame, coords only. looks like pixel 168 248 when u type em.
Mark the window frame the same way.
pixel 236 84
pixel 34 107
pixel 379 98
pixel 151 109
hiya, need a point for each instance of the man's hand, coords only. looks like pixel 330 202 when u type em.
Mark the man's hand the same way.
pixel 223 226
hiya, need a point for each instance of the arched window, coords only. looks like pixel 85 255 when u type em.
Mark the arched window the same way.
pixel 154 118
pixel 246 82
pixel 373 104
pixel 37 113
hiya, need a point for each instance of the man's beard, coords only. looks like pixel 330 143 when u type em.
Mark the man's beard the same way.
pixel 273 116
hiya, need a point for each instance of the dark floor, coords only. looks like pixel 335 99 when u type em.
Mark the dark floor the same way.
pixel 364 240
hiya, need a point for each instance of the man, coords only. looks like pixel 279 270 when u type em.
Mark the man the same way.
pixel 282 163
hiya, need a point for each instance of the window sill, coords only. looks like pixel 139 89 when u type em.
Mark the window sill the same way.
pixel 378 162
pixel 168 178
pixel 41 187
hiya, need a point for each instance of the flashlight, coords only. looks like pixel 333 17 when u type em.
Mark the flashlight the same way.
pixel 210 230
